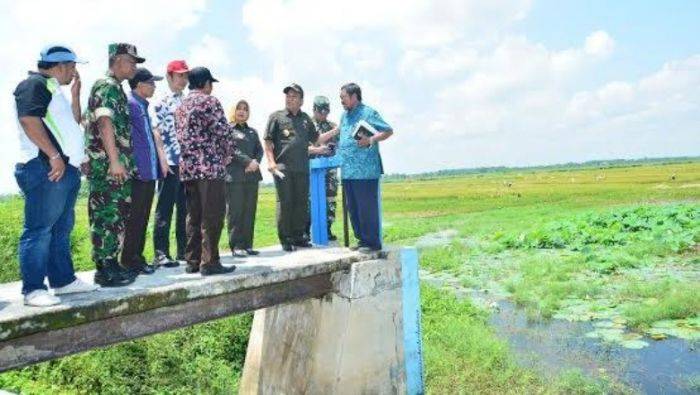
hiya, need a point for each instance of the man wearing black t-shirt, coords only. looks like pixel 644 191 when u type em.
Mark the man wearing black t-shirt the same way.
pixel 51 149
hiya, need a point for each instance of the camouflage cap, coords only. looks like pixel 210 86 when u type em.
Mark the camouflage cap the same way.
pixel 124 49
pixel 294 87
pixel 322 103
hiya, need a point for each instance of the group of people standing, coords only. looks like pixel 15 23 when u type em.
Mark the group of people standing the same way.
pixel 203 166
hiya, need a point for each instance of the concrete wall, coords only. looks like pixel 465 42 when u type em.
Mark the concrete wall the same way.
pixel 348 342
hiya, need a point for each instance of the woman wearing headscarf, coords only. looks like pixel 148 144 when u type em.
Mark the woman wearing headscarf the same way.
pixel 242 179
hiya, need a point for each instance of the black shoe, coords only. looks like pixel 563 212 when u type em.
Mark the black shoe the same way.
pixel 251 252
pixel 332 237
pixel 113 275
pixel 143 268
pixel 165 261
pixel 288 247
pixel 191 269
pixel 210 270
pixel 303 244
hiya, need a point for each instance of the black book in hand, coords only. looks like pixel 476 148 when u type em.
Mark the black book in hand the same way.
pixel 363 129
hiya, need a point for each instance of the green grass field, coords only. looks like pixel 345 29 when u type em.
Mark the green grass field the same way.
pixel 568 243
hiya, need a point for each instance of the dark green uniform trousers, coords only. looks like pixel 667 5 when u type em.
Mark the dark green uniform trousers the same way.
pixel 241 205
pixel 292 206
pixel 109 205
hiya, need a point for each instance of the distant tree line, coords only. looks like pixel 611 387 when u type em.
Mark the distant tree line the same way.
pixel 592 164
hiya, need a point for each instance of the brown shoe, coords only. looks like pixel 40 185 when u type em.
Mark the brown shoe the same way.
pixel 191 268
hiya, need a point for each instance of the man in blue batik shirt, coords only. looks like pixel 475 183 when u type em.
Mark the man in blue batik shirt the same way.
pixel 171 193
pixel 361 167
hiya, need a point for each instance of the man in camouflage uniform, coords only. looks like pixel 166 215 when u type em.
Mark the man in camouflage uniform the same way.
pixel 322 107
pixel 109 165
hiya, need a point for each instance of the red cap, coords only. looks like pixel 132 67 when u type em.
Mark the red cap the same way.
pixel 178 66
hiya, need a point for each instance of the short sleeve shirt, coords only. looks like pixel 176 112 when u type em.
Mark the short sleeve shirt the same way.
pixel 360 163
pixel 32 99
pixel 291 135
pixel 165 122
pixel 41 96
pixel 107 99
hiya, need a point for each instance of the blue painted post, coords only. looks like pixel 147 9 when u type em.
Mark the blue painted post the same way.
pixel 319 231
pixel 381 222
pixel 317 190
pixel 412 345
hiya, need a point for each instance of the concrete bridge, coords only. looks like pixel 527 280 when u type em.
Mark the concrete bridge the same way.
pixel 327 320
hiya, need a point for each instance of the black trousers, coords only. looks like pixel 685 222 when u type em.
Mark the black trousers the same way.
pixel 171 194
pixel 292 206
pixel 206 207
pixel 242 203
pixel 362 199
pixel 137 223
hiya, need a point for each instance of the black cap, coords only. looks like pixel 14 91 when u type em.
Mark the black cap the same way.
pixel 294 87
pixel 199 76
pixel 143 75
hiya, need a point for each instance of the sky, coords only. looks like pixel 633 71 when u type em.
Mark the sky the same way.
pixel 463 83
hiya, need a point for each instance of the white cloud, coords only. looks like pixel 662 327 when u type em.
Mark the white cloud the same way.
pixel 210 51
pixel 460 83
pixel 443 62
pixel 335 33
pixel 366 57
pixel 668 94
pixel 599 43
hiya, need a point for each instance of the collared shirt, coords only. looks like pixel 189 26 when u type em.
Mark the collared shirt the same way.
pixel 41 96
pixel 249 148
pixel 165 122
pixel 206 144
pixel 143 143
pixel 107 98
pixel 360 163
pixel 291 134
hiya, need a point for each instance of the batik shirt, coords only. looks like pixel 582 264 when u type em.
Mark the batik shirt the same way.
pixel 107 99
pixel 360 163
pixel 206 139
pixel 165 122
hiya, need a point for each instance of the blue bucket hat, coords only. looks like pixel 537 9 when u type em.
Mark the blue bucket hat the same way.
pixel 58 54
